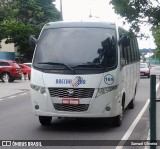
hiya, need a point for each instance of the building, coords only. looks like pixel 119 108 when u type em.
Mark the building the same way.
pixel 7 51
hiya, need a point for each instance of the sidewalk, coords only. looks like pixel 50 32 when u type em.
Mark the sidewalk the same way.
pixel 16 87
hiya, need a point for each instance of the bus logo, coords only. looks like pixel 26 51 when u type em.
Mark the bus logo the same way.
pixel 70 92
pixel 77 81
pixel 109 79
pixel 73 82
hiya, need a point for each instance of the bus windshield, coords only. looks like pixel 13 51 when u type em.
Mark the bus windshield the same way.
pixel 76 48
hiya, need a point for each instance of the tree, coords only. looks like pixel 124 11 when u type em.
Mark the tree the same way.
pixel 138 12
pixel 156 35
pixel 19 19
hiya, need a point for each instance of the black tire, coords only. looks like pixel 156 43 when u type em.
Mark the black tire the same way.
pixel 131 104
pixel 45 120
pixel 6 77
pixel 29 77
pixel 117 120
pixel 149 76
pixel 12 80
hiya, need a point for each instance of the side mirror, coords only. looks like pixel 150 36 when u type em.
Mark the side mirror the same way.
pixel 96 61
pixel 125 41
pixel 32 41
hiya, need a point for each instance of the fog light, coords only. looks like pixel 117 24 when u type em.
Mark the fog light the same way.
pixel 36 107
pixel 108 108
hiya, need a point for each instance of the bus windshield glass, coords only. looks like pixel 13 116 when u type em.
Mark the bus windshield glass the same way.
pixel 76 48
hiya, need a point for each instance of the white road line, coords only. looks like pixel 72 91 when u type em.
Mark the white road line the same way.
pixel 11 96
pixel 131 128
pixel 22 94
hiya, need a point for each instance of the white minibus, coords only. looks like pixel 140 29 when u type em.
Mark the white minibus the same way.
pixel 84 70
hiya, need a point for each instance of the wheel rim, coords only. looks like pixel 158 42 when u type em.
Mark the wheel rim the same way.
pixel 5 77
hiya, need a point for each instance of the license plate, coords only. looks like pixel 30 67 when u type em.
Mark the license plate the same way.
pixel 71 101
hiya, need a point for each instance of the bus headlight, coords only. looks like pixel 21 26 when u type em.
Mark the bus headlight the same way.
pixel 105 90
pixel 39 89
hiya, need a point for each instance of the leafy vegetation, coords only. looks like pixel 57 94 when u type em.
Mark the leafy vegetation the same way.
pixel 19 19
pixel 156 35
pixel 138 12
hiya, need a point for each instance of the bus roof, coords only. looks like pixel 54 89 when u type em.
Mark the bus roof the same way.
pixel 62 24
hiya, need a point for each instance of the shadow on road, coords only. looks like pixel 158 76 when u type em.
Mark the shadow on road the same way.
pixel 79 125
pixel 144 77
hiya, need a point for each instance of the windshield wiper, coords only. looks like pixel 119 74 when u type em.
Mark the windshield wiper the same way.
pixel 61 64
pixel 89 64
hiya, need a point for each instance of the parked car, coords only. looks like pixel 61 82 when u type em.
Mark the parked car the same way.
pixel 28 64
pixel 145 69
pixel 26 70
pixel 9 71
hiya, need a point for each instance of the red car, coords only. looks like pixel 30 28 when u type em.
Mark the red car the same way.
pixel 145 69
pixel 25 70
pixel 9 71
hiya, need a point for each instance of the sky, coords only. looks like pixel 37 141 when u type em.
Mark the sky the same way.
pixel 100 10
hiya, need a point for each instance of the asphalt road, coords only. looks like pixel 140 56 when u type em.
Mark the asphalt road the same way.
pixel 17 121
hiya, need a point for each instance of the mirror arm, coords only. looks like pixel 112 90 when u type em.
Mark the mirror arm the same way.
pixel 33 41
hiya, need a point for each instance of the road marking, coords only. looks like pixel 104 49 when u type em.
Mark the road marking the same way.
pixel 131 128
pixel 22 94
pixel 11 96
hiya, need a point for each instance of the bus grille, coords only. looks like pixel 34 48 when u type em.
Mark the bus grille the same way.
pixel 71 108
pixel 76 92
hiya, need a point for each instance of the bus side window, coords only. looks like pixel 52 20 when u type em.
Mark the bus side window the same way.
pixel 125 48
pixel 122 55
pixel 128 54
pixel 136 49
pixel 133 51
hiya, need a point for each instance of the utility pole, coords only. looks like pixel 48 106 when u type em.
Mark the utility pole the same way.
pixel 61 10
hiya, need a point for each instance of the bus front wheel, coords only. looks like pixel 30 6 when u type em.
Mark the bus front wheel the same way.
pixel 131 104
pixel 45 120
pixel 117 120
